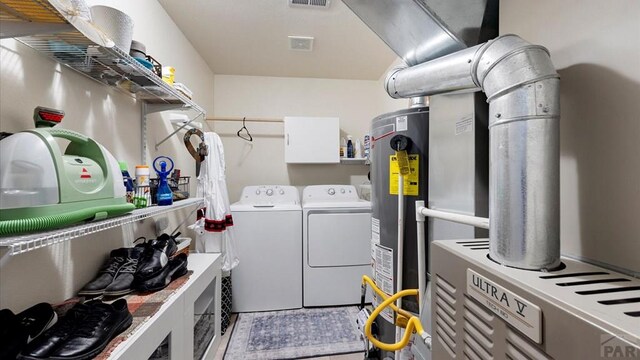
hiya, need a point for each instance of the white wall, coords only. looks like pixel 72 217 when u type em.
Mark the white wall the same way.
pixel 596 48
pixel 355 102
pixel 28 79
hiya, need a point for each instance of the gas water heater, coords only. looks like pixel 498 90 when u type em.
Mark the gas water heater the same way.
pixel 412 124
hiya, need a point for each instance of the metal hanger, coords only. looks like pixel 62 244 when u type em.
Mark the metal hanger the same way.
pixel 202 151
pixel 242 136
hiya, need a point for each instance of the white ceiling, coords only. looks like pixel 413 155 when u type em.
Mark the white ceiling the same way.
pixel 249 37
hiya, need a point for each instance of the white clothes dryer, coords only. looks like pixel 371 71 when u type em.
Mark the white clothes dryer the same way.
pixel 336 245
pixel 268 229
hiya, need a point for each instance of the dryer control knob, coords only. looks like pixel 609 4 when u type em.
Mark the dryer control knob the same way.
pixel 281 192
pixel 342 191
pixel 269 192
pixel 258 192
pixel 331 191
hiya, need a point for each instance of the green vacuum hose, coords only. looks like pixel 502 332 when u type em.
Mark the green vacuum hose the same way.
pixel 40 223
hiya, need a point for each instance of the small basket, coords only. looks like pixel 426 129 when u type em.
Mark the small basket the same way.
pixel 179 186
pixel 157 67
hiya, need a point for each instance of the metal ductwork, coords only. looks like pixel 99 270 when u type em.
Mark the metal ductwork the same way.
pixel 522 88
pixel 422 30
pixel 523 92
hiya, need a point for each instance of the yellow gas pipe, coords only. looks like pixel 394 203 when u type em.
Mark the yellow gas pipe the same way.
pixel 413 323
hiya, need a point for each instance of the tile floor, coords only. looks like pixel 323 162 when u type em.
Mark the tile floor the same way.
pixel 227 336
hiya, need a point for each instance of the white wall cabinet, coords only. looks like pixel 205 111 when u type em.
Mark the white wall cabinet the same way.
pixel 311 140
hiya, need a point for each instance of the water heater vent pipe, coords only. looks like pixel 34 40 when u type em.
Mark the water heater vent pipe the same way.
pixel 523 92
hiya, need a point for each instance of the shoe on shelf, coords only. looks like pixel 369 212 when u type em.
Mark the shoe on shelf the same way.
pixel 43 345
pixel 155 256
pixel 12 336
pixel 123 280
pixel 36 319
pixel 106 275
pixel 19 330
pixel 176 268
pixel 93 334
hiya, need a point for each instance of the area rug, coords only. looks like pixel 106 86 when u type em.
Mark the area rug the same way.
pixel 295 334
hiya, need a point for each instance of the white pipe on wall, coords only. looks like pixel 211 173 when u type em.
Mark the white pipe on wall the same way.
pixel 422 267
pixel 476 221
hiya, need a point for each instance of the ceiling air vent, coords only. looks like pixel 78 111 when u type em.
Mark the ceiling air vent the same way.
pixel 301 43
pixel 312 3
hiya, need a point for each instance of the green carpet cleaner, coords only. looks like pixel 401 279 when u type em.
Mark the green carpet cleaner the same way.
pixel 42 187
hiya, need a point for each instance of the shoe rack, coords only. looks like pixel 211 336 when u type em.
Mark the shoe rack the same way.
pixel 177 317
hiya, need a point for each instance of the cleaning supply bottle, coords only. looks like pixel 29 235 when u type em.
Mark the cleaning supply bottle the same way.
pixel 357 151
pixel 128 181
pixel 349 147
pixel 343 147
pixel 164 195
pixel 143 190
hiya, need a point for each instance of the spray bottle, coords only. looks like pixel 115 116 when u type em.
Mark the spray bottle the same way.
pixel 164 195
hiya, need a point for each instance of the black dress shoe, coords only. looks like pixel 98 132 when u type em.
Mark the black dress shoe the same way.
pixel 41 347
pixel 97 286
pixel 91 336
pixel 19 330
pixel 12 336
pixel 155 257
pixel 123 281
pixel 177 267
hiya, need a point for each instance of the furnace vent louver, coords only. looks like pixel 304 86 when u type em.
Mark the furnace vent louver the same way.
pixel 310 3
pixel 446 315
pixel 520 348
pixel 478 330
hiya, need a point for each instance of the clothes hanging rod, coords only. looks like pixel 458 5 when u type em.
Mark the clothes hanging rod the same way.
pixel 239 119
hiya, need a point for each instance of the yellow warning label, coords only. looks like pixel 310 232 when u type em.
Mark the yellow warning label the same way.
pixel 411 182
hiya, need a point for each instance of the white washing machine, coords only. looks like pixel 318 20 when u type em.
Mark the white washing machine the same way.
pixel 336 245
pixel 268 228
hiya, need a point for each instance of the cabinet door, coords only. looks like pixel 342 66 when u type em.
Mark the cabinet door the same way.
pixel 311 139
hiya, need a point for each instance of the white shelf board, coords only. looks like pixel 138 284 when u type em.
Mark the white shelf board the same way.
pixel 148 336
pixel 354 161
pixel 26 242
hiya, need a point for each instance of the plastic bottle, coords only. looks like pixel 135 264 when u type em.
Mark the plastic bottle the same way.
pixel 357 151
pixel 164 195
pixel 128 181
pixel 143 191
pixel 343 147
pixel 349 147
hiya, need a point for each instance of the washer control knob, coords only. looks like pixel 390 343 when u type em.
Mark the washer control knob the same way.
pixel 257 191
pixel 269 192
pixel 281 192
pixel 331 191
pixel 342 191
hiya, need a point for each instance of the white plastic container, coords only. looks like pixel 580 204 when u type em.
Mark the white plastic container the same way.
pixel 115 23
pixel 142 175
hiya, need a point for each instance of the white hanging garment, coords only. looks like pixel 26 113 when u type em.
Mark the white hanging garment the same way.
pixel 214 227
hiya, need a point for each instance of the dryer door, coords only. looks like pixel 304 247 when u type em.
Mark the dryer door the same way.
pixel 338 238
